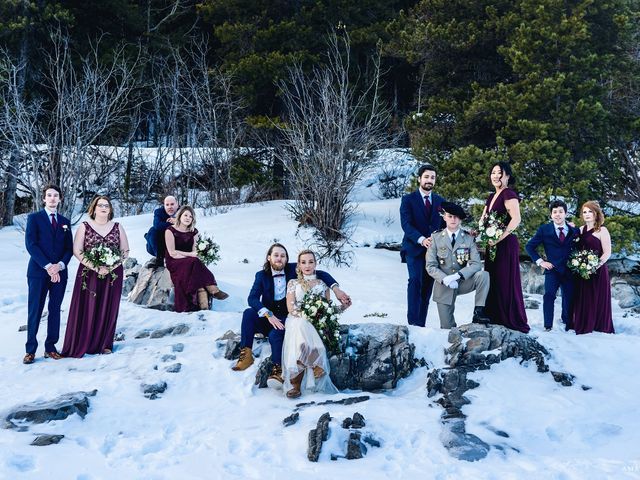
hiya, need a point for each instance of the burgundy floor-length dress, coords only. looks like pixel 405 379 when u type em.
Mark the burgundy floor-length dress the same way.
pixel 187 274
pixel 93 312
pixel 592 299
pixel 505 303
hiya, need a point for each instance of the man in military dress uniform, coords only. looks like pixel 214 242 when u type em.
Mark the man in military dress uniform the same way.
pixel 454 263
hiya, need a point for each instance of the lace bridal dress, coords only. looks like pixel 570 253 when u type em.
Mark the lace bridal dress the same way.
pixel 305 365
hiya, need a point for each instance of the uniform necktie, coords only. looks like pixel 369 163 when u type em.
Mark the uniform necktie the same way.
pixel 561 236
pixel 278 275
pixel 453 239
pixel 54 224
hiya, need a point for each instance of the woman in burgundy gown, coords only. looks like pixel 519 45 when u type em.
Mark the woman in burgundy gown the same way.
pixel 505 303
pixel 193 282
pixel 592 300
pixel 95 302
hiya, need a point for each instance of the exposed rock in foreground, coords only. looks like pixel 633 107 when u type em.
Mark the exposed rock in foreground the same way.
pixel 58 408
pixel 477 347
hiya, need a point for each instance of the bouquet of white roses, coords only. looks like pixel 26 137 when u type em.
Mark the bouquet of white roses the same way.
pixel 491 228
pixel 323 315
pixel 208 251
pixel 101 255
pixel 583 263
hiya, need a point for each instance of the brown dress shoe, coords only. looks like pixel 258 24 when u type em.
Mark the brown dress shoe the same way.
pixel 29 358
pixel 275 379
pixel 216 292
pixel 245 360
pixel 54 355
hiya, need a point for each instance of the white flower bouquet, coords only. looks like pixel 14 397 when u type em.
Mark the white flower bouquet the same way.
pixel 208 251
pixel 491 228
pixel 584 263
pixel 102 255
pixel 323 315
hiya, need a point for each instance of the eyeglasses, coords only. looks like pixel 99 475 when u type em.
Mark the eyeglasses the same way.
pixel 103 205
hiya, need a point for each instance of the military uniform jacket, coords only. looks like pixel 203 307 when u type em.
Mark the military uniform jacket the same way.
pixel 443 260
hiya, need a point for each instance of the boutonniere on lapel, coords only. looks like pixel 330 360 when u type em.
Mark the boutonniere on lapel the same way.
pixel 462 256
pixel 65 227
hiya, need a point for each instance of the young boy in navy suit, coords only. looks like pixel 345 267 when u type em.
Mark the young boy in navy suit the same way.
pixel 557 239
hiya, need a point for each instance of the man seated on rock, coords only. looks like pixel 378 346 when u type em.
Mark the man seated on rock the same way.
pixel 163 218
pixel 454 263
pixel 268 309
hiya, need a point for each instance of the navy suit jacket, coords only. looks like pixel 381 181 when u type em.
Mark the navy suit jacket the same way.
pixel 557 253
pixel 46 245
pixel 262 292
pixel 160 224
pixel 414 221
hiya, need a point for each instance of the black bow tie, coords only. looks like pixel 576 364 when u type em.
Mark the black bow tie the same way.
pixel 278 275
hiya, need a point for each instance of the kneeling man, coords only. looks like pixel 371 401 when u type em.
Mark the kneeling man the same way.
pixel 454 263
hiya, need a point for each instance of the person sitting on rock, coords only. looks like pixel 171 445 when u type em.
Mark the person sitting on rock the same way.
pixel 268 311
pixel 454 263
pixel 163 218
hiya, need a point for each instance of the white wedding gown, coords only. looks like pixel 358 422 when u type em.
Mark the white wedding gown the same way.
pixel 302 348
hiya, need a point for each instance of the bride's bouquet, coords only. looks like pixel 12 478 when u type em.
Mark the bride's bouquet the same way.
pixel 208 251
pixel 323 315
pixel 491 228
pixel 583 263
pixel 101 255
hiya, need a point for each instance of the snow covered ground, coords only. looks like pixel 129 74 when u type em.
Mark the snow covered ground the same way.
pixel 212 423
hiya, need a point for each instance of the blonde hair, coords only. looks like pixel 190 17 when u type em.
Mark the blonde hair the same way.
pixel 301 278
pixel 599 215
pixel 186 208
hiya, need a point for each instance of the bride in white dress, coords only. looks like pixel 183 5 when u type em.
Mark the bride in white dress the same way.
pixel 305 365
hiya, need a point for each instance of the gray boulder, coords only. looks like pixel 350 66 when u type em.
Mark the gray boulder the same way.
pixel 626 295
pixel 153 288
pixel 131 270
pixel 45 411
pixel 532 278
pixel 374 357
pixel 44 440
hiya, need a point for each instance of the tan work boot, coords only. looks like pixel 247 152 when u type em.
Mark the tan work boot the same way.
pixel 296 382
pixel 245 360
pixel 275 379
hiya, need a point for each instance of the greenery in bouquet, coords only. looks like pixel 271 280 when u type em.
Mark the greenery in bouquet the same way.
pixel 101 255
pixel 490 229
pixel 584 263
pixel 208 251
pixel 323 315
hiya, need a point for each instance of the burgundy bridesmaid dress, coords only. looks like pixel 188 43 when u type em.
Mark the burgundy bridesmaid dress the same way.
pixel 592 299
pixel 187 274
pixel 93 312
pixel 505 303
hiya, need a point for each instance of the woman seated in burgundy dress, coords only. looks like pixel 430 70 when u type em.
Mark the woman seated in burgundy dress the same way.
pixel 193 282
pixel 505 302
pixel 95 302
pixel 592 300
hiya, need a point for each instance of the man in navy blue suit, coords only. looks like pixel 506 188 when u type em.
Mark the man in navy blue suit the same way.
pixel 49 242
pixel 267 310
pixel 420 217
pixel 557 239
pixel 163 218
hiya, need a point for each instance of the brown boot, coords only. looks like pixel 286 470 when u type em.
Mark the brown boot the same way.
pixel 217 293
pixel 203 299
pixel 296 382
pixel 318 372
pixel 275 379
pixel 245 360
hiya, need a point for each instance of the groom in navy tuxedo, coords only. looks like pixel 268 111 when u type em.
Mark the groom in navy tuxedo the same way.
pixel 49 242
pixel 420 217
pixel 557 239
pixel 163 218
pixel 267 310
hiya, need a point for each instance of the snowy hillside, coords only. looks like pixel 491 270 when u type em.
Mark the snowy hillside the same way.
pixel 213 423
